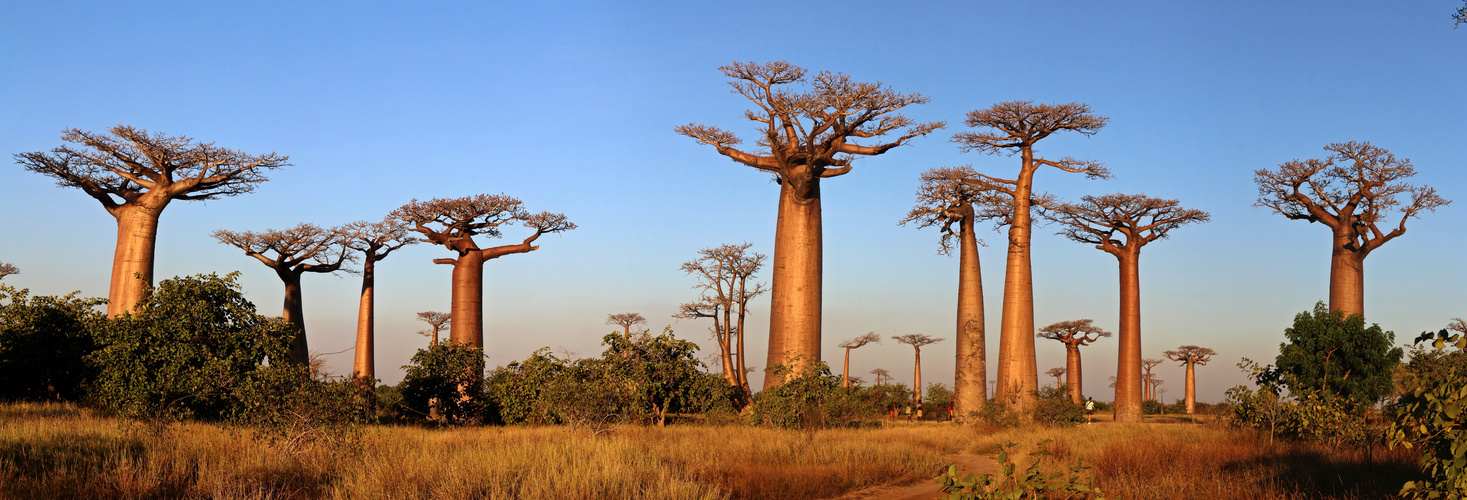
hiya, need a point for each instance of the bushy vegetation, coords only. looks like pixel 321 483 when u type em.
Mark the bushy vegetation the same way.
pixel 44 343
pixel 1429 416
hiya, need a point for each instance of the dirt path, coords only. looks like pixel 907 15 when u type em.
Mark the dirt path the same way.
pixel 926 489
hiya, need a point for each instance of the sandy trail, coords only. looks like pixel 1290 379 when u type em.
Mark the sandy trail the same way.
pixel 926 489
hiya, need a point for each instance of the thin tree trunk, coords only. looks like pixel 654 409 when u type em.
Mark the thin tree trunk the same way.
pixel 1346 278
pixel 970 384
pixel 725 354
pixel 918 376
pixel 743 372
pixel 1072 371
pixel 300 351
pixel 845 373
pixel 137 237
pixel 466 323
pixel 794 311
pixel 1128 361
pixel 1191 388
pixel 1018 373
pixel 364 367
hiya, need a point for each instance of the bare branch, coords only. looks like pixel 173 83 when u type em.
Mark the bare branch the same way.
pixel 855 343
pixel 1191 354
pixel 1079 332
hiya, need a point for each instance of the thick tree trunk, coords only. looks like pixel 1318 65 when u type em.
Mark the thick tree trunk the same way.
pixel 466 323
pixel 1128 362
pixel 918 383
pixel 137 236
pixel 794 311
pixel 1018 373
pixel 1072 371
pixel 1191 387
pixel 300 351
pixel 364 368
pixel 970 384
pixel 1346 278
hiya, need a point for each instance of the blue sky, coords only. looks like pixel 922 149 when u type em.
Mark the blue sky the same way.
pixel 571 106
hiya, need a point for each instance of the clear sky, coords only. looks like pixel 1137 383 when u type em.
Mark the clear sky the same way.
pixel 571 107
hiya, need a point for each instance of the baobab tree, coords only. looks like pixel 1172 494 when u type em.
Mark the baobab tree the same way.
pixel 1120 224
pixel 453 223
pixel 7 269
pixel 723 273
pixel 1146 366
pixel 954 199
pixel 135 175
pixel 855 343
pixel 917 340
pixel 626 321
pixel 1191 356
pixel 804 136
pixel 1352 192
pixel 1016 127
pixel 435 320
pixel 1058 373
pixel 305 248
pixel 1074 334
pixel 882 376
pixel 374 240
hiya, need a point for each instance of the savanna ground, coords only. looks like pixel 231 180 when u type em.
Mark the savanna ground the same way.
pixel 61 451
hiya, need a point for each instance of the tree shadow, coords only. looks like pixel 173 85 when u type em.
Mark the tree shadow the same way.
pixel 1335 473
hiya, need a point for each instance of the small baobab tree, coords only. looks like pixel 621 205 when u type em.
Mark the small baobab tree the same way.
pixel 305 248
pixel 435 320
pixel 805 136
pixel 1058 373
pixel 954 199
pixel 1074 334
pixel 1008 128
pixel 1120 224
pixel 1146 366
pixel 374 240
pixel 7 269
pixel 917 340
pixel 724 291
pixel 453 223
pixel 1191 356
pixel 626 321
pixel 1351 192
pixel 135 175
pixel 855 343
pixel 882 376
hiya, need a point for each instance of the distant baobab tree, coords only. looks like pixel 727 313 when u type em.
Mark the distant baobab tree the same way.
pixel 805 136
pixel 1058 373
pixel 1190 356
pixel 1016 127
pixel 852 381
pixel 1074 334
pixel 954 199
pixel 135 175
pixel 1146 366
pixel 1351 192
pixel 1156 383
pixel 917 340
pixel 626 321
pixel 723 273
pixel 435 320
pixel 305 248
pixel 1120 224
pixel 7 269
pixel 453 223
pixel 374 240
pixel 882 376
pixel 855 343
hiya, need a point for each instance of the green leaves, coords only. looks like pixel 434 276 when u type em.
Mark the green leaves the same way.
pixel 1010 484
pixel 1429 416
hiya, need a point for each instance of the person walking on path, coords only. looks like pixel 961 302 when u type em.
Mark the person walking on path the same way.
pixel 1089 409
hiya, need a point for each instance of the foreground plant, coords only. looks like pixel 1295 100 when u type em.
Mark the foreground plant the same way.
pixel 1010 483
pixel 1430 417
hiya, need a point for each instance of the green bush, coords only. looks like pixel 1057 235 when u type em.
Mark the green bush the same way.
pixel 284 404
pixel 1328 352
pixel 812 400
pixel 1054 408
pixel 444 383
pixel 44 344
pixel 1429 415
pixel 1011 483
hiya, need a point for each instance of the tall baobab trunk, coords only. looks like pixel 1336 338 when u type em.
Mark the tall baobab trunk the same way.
pixel 1072 372
pixel 918 376
pixel 364 367
pixel 1128 362
pixel 1191 395
pixel 1346 275
pixel 467 311
pixel 137 236
pixel 1018 372
pixel 845 373
pixel 970 384
pixel 794 310
pixel 294 314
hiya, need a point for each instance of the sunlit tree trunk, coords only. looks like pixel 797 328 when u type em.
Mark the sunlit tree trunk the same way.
pixel 845 372
pixel 467 325
pixel 364 367
pixel 294 314
pixel 970 384
pixel 1346 277
pixel 1018 373
pixel 1128 363
pixel 1072 372
pixel 137 236
pixel 918 384
pixel 1191 395
pixel 794 315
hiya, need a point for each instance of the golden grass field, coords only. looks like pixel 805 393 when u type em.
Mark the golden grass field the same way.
pixel 60 451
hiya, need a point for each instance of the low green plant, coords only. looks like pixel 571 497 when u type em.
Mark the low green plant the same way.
pixel 44 343
pixel 444 383
pixel 1054 408
pixel 1012 484
pixel 1430 416
pixel 811 400
pixel 296 413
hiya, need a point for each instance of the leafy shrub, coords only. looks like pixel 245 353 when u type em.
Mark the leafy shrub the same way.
pixel 812 400
pixel 1304 414
pixel 1151 407
pixel 935 402
pixel 44 343
pixel 284 404
pixel 1328 352
pixel 444 383
pixel 1429 415
pixel 1054 408
pixel 1009 483
pixel 999 415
